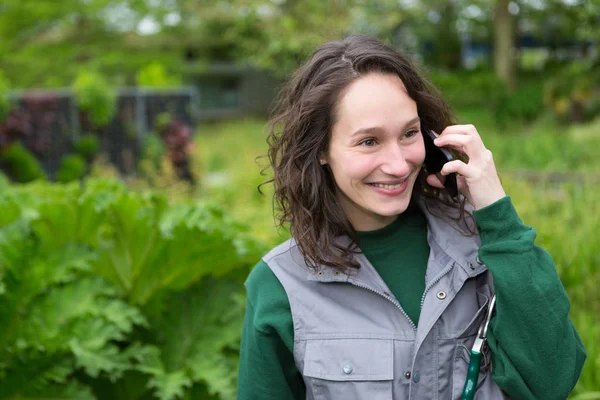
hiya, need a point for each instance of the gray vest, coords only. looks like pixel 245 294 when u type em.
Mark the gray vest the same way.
pixel 352 340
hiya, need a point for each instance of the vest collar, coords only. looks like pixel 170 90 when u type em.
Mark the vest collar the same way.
pixel 461 247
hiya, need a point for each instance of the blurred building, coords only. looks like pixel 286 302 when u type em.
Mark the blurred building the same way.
pixel 227 90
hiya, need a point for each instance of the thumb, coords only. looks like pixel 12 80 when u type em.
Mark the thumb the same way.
pixel 435 181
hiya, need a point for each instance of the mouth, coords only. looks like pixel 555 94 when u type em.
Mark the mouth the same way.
pixel 390 188
pixel 387 185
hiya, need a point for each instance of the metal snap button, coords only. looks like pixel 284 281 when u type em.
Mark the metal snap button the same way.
pixel 336 273
pixel 320 273
pixel 407 374
pixel 416 377
pixel 347 369
pixel 441 295
pixel 471 266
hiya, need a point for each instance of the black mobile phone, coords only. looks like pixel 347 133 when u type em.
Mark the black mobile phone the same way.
pixel 435 158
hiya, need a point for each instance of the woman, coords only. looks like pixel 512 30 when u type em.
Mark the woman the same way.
pixel 383 287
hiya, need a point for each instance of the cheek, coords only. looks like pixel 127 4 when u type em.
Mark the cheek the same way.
pixel 357 167
pixel 351 168
pixel 417 153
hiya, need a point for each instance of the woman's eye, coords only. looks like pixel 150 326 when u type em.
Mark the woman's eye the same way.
pixel 368 142
pixel 410 134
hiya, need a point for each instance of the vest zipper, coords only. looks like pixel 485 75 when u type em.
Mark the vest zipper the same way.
pixel 391 300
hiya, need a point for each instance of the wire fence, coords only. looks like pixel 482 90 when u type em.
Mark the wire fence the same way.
pixel 50 122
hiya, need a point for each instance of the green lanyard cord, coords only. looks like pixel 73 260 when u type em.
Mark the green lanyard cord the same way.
pixel 475 362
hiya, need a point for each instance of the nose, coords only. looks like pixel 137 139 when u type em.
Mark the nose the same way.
pixel 394 162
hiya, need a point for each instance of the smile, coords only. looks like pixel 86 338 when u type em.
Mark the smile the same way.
pixel 382 185
pixel 390 189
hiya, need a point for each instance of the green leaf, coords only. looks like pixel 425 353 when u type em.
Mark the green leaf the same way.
pixel 200 329
pixel 106 359
pixel 170 386
pixel 217 372
pixel 147 359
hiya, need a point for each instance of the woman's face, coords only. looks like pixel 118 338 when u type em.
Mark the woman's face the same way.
pixel 376 150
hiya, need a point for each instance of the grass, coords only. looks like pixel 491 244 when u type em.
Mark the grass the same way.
pixel 565 215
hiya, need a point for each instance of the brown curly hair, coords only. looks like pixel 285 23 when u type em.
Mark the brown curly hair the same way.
pixel 299 132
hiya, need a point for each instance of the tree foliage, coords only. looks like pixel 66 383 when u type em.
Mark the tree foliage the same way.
pixel 45 43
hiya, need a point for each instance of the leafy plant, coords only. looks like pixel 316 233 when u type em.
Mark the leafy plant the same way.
pixel 176 137
pixel 156 75
pixel 72 167
pixel 87 146
pixel 95 96
pixel 21 164
pixel 573 94
pixel 106 291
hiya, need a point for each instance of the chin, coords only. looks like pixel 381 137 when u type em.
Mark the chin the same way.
pixel 395 209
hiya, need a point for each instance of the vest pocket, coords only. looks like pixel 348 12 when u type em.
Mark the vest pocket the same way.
pixel 354 368
pixel 472 327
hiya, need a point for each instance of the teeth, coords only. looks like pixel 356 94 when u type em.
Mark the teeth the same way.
pixel 381 185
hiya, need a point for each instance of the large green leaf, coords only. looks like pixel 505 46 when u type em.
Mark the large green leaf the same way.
pixel 198 331
pixel 170 386
pixel 108 359
pixel 145 252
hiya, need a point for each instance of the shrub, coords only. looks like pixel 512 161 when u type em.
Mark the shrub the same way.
pixel 95 96
pixel 573 94
pixel 21 164
pixel 104 291
pixel 481 89
pixel 87 146
pixel 156 75
pixel 524 105
pixel 72 168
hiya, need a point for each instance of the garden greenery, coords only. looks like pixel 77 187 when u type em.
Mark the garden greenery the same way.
pixel 106 291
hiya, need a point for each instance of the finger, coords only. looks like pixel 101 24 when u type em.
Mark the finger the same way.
pixel 456 166
pixel 460 130
pixel 470 145
pixel 435 181
pixel 453 140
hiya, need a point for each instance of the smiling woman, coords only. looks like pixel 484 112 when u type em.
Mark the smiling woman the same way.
pixel 416 271
pixel 375 167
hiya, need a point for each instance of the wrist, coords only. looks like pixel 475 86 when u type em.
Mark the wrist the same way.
pixel 488 199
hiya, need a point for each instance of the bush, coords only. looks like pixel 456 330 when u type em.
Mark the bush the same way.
pixel 524 105
pixel 104 291
pixel 483 90
pixel 573 94
pixel 96 97
pixel 463 90
pixel 72 168
pixel 87 146
pixel 21 164
pixel 156 75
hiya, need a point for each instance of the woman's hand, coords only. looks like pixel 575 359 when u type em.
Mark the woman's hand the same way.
pixel 478 180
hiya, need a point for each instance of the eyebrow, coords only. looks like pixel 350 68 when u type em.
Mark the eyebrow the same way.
pixel 378 128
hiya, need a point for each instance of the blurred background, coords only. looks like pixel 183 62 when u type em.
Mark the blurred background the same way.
pixel 129 214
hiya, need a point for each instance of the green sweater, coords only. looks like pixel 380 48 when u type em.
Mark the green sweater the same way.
pixel 536 353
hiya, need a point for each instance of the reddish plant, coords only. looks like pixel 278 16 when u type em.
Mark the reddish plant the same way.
pixel 177 139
